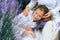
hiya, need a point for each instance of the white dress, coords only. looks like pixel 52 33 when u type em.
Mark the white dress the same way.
pixel 32 25
pixel 54 7
pixel 49 32
pixel 51 28
pixel 18 21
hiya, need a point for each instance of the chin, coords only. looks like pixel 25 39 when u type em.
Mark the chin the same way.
pixel 35 20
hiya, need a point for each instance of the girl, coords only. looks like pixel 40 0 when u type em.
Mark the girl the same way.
pixel 52 5
pixel 29 22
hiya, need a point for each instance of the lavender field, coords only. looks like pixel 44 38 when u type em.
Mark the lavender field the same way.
pixel 8 10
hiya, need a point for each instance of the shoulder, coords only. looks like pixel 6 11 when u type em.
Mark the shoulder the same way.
pixel 48 25
pixel 49 22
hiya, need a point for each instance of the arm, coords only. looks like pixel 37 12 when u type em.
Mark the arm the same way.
pixel 29 6
pixel 28 31
pixel 32 4
pixel 27 28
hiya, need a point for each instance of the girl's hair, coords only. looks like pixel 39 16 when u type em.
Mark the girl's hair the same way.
pixel 42 8
pixel 45 10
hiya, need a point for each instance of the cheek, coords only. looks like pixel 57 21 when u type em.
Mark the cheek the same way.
pixel 34 15
pixel 38 18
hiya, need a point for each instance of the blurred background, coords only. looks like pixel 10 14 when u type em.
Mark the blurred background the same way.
pixel 8 10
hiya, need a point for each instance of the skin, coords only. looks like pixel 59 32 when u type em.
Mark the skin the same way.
pixel 37 15
pixel 27 9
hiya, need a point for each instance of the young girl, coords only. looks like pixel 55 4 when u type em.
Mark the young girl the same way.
pixel 28 23
pixel 52 5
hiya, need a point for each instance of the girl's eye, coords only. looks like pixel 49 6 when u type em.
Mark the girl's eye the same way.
pixel 36 12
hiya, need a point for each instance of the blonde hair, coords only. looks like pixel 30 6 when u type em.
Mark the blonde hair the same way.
pixel 42 8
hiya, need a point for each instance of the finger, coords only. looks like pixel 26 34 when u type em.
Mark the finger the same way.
pixel 46 14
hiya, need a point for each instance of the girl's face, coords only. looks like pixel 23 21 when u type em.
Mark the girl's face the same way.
pixel 37 15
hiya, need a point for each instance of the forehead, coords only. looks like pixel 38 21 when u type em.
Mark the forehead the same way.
pixel 39 11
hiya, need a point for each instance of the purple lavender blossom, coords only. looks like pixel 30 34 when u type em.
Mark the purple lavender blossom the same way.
pixel 0 24
pixel 13 4
pixel 4 6
pixel 42 24
pixel 0 20
pixel 58 24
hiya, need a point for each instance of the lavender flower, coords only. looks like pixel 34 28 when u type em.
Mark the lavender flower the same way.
pixel 42 24
pixel 1 24
pixel 13 4
pixel 4 6
pixel 58 24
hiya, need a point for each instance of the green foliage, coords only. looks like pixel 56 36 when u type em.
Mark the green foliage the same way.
pixel 6 32
pixel 0 14
pixel 59 35
pixel 0 11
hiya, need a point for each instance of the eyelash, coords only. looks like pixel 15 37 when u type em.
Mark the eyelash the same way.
pixel 36 12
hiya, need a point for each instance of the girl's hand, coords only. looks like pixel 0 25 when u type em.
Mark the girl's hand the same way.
pixel 47 15
pixel 33 34
pixel 26 33
pixel 26 10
